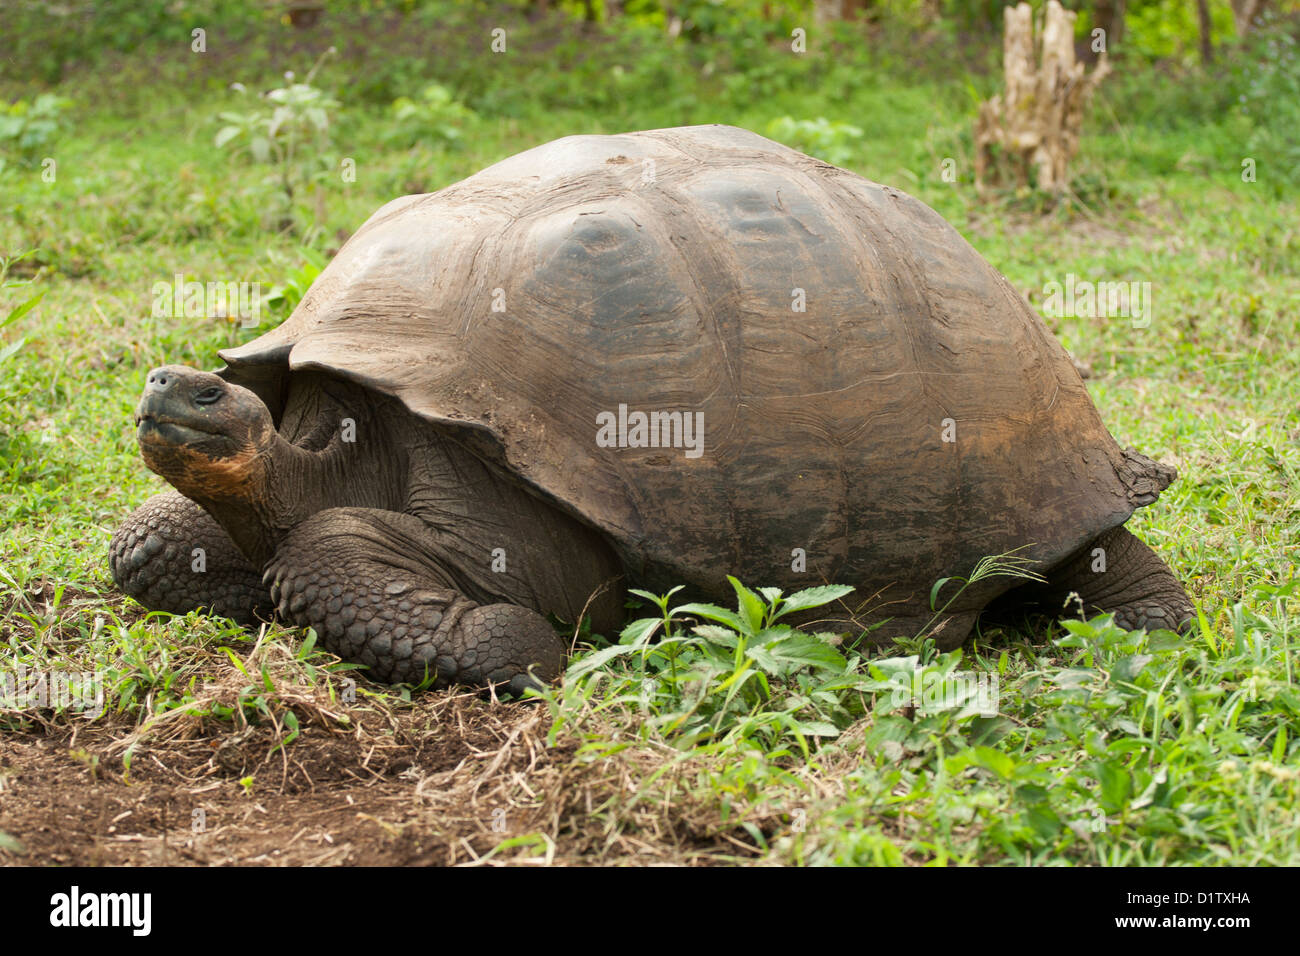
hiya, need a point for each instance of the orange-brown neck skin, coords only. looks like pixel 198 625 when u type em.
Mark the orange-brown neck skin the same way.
pixel 233 488
pixel 258 486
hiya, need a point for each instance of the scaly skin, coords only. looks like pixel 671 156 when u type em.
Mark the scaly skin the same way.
pixel 1136 586
pixel 152 559
pixel 366 582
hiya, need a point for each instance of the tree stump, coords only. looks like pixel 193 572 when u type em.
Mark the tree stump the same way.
pixel 1033 126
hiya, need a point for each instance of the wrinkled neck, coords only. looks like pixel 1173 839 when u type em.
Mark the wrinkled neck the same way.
pixel 286 484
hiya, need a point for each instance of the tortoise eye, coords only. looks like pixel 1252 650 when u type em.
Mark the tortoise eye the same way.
pixel 209 396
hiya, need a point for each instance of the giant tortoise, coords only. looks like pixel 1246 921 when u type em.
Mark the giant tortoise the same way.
pixel 648 359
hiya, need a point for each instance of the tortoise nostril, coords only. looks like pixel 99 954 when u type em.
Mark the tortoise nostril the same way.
pixel 160 380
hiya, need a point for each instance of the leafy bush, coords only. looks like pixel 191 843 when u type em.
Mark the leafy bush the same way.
pixel 17 312
pixel 1267 76
pixel 15 443
pixel 291 134
pixel 826 139
pixel 27 129
pixel 43 39
pixel 1156 29
pixel 436 116
pixel 285 296
pixel 744 675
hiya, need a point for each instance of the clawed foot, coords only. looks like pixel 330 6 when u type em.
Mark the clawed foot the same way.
pixel 1152 617
pixel 171 556
pixel 334 573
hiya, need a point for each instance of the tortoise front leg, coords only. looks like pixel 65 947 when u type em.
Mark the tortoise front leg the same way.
pixel 171 556
pixel 376 591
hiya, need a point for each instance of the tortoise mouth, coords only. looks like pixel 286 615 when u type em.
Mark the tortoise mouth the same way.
pixel 155 430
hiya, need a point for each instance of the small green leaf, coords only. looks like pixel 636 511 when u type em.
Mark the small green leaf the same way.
pixel 714 613
pixel 804 650
pixel 1073 677
pixel 225 135
pixel 1127 668
pixel 598 659
pixel 995 761
pixel 934 591
pixel 1116 785
pixel 813 597
pixel 239 664
pixel 640 631
pixel 18 311
pixel 750 606
pixel 717 634
pixel 817 728
pixel 11 349
pixel 1042 819
pixel 1160 641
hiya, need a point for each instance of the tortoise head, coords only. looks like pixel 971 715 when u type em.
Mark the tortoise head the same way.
pixel 206 436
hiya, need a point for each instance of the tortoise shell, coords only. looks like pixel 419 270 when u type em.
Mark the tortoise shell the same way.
pixel 874 397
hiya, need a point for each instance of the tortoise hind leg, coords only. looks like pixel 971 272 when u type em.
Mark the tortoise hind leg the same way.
pixel 170 555
pixel 1119 574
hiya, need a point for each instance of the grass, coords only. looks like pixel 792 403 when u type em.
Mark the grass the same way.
pixel 731 739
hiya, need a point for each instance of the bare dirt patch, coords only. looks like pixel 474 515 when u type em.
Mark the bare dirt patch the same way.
pixel 453 780
pixel 328 798
pixel 217 750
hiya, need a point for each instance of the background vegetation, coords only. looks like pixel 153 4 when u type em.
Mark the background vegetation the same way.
pixel 127 156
